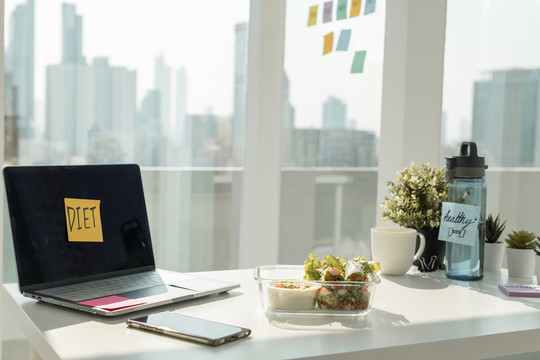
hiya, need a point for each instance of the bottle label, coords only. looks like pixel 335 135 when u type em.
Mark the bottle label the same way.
pixel 459 223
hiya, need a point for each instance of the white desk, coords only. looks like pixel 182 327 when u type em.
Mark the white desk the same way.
pixel 416 316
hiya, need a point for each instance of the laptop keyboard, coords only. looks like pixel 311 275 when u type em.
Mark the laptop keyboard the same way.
pixel 104 287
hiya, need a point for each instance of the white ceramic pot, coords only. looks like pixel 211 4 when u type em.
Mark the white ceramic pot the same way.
pixel 493 255
pixel 520 262
pixel 537 266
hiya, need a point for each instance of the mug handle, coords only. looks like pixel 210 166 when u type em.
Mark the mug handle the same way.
pixel 421 247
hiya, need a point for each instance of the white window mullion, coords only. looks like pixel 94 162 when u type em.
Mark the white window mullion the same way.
pixel 259 215
pixel 412 88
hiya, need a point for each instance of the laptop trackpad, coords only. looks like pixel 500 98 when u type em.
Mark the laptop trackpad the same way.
pixel 154 290
pixel 198 284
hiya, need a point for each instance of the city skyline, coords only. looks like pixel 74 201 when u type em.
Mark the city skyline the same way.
pixel 91 104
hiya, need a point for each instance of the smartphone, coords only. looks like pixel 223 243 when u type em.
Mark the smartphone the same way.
pixel 189 328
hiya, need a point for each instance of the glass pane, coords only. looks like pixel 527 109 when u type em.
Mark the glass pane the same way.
pixel 158 83
pixel 492 74
pixel 332 103
pixel 490 95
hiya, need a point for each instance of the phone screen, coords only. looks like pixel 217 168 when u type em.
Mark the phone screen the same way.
pixel 188 327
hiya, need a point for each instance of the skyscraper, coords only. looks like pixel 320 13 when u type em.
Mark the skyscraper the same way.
pixel 506 117
pixel 87 105
pixel 240 81
pixel 334 113
pixel 184 123
pixel 71 36
pixel 162 83
pixel 19 63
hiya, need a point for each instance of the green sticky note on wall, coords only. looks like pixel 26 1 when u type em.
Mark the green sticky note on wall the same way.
pixel 358 62
pixel 341 10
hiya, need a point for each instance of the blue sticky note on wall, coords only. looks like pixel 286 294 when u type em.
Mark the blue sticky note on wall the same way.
pixel 370 6
pixel 344 39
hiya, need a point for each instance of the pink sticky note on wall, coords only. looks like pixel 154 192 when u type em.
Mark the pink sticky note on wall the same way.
pixel 327 12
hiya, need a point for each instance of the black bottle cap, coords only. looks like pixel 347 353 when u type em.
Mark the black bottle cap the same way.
pixel 467 164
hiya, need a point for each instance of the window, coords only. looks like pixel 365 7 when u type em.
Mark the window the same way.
pixel 158 83
pixel 332 102
pixel 491 92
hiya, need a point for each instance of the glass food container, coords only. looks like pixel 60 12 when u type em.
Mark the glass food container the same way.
pixel 283 291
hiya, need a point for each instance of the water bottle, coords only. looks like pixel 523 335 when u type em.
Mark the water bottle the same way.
pixel 465 174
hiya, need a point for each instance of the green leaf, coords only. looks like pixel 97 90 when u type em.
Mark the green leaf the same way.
pixel 312 268
pixel 332 261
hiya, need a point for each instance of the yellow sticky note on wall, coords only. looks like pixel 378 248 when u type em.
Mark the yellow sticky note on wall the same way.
pixel 83 220
pixel 312 20
pixel 355 8
pixel 328 43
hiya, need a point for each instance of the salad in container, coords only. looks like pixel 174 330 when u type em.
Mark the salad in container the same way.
pixel 329 287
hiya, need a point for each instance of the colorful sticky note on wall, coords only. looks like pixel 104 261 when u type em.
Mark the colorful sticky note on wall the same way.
pixel 355 8
pixel 370 6
pixel 344 39
pixel 327 12
pixel 358 62
pixel 312 19
pixel 328 43
pixel 341 9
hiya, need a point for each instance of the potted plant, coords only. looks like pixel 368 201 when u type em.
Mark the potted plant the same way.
pixel 493 249
pixel 415 201
pixel 519 254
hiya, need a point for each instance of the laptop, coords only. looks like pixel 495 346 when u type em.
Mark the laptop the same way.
pixel 82 240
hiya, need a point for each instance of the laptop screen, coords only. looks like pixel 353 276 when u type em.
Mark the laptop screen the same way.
pixel 77 222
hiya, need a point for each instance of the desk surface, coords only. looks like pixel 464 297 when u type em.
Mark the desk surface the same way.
pixel 419 315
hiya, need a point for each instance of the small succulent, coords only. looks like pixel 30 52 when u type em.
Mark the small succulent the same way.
pixel 494 228
pixel 521 239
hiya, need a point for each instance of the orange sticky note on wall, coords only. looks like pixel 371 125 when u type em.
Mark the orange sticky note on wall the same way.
pixel 328 43
pixel 355 8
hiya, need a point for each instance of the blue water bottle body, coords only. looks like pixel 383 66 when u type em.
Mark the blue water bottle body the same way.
pixel 466 262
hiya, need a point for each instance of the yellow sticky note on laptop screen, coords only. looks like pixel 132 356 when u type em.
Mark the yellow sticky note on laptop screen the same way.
pixel 83 220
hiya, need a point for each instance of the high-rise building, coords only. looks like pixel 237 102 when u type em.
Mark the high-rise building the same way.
pixel 506 117
pixel 88 106
pixel 240 83
pixel 287 130
pixel 72 38
pixel 334 114
pixel 114 103
pixel 162 83
pixel 183 127
pixel 11 119
pixel 70 110
pixel 181 100
pixel 148 138
pixel 19 63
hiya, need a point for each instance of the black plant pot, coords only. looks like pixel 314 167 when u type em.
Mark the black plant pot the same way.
pixel 433 256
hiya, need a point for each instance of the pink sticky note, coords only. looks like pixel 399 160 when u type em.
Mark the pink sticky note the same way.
pixel 112 303
pixel 327 12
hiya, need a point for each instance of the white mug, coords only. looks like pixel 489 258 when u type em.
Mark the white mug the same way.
pixel 393 248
